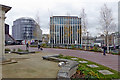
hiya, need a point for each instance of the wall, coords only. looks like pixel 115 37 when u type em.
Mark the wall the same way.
pixel 2 38
pixel 2 32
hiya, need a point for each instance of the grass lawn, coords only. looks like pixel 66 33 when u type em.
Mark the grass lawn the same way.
pixel 93 72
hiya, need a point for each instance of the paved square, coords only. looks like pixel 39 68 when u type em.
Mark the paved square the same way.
pixel 74 58
pixel 92 66
pixel 83 61
pixel 88 55
pixel 105 72
pixel 29 66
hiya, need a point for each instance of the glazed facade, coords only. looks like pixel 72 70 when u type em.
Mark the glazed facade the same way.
pixel 26 29
pixel 65 30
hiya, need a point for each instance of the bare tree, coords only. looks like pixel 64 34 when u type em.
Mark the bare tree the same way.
pixel 83 23
pixel 106 21
pixel 37 18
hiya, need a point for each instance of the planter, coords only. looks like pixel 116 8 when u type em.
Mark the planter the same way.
pixel 24 52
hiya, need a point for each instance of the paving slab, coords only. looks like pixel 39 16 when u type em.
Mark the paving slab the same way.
pixel 83 61
pixel 109 60
pixel 92 66
pixel 105 72
pixel 74 58
pixel 33 67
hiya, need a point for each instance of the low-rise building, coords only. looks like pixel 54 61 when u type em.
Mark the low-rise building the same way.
pixel 45 38
pixel 88 41
pixel 112 39
pixel 8 38
pixel 100 40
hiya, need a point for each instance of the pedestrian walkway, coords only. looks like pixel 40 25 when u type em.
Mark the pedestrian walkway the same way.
pixel 111 61
pixel 30 66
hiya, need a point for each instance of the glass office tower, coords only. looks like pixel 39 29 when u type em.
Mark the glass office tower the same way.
pixel 65 30
pixel 26 28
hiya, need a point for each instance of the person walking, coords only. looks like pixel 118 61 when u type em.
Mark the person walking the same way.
pixel 27 46
pixel 104 50
pixel 38 45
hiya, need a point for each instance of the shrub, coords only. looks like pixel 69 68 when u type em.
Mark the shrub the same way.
pixel 72 46
pixel 99 50
pixel 33 45
pixel 14 49
pixel 44 45
pixel 7 49
pixel 60 55
pixel 27 50
pixel 19 50
pixel 67 57
pixel 91 49
pixel 65 47
pixel 95 49
pixel 80 49
pixel 115 53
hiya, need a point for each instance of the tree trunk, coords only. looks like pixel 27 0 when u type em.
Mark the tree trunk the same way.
pixel 107 42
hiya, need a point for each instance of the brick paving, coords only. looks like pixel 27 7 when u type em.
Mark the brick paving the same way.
pixel 111 61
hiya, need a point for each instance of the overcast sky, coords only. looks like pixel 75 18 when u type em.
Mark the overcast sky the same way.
pixel 47 8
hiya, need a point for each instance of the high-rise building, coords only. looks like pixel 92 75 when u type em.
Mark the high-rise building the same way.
pixel 65 30
pixel 26 29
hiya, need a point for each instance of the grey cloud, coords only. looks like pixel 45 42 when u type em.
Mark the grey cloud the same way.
pixel 58 7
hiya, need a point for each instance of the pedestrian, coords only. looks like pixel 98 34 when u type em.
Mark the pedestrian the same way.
pixel 38 45
pixel 104 50
pixel 27 46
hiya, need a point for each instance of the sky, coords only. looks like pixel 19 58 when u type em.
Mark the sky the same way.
pixel 47 8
